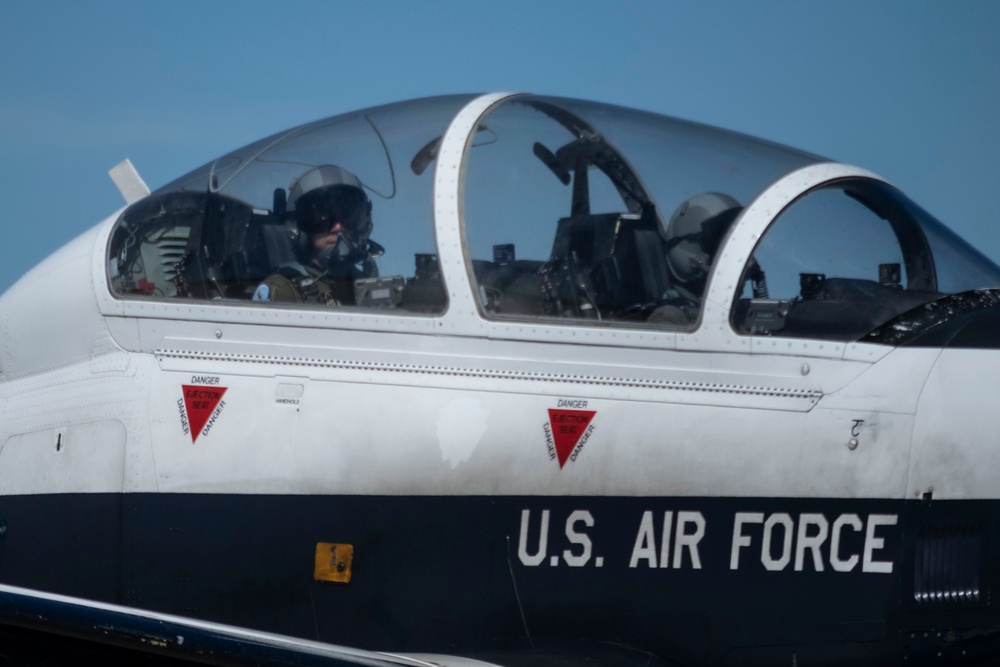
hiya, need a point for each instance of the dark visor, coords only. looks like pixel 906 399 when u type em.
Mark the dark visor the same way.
pixel 319 210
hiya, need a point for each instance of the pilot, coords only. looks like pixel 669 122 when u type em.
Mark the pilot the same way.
pixel 333 223
pixel 693 236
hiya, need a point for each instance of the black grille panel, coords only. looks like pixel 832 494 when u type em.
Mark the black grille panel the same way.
pixel 948 565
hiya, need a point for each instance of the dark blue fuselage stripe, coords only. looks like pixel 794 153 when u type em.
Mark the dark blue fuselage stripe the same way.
pixel 687 578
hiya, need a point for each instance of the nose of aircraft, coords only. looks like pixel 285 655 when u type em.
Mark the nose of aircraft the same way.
pixel 969 320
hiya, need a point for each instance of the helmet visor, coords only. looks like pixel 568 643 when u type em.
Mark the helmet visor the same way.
pixel 320 210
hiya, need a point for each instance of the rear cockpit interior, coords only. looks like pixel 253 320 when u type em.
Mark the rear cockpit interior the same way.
pixel 216 234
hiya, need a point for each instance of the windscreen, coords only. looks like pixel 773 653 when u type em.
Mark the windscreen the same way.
pixel 848 257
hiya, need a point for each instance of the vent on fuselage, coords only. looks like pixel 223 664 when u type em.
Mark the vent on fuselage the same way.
pixel 947 568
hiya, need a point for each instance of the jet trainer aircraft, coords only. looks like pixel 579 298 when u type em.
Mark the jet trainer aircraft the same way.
pixel 518 378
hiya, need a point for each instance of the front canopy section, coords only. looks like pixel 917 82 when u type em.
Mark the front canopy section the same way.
pixel 337 213
pixel 583 212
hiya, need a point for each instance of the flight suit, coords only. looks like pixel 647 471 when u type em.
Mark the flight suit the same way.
pixel 306 284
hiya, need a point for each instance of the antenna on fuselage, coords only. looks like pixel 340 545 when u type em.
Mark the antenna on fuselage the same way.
pixel 128 181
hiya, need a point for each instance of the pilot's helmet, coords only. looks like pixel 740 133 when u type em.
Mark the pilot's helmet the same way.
pixel 327 194
pixel 694 233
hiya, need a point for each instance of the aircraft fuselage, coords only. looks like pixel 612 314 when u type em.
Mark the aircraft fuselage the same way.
pixel 623 437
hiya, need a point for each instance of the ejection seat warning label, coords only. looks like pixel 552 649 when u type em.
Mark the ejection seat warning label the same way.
pixel 567 431
pixel 201 406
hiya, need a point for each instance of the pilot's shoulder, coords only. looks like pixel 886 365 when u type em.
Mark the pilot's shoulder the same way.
pixel 292 270
pixel 281 285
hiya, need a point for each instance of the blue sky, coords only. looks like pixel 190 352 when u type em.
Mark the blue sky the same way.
pixel 907 88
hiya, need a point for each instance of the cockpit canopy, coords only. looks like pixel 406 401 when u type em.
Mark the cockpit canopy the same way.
pixel 218 232
pixel 571 212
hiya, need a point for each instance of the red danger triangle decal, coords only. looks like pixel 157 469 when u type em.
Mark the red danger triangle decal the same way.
pixel 200 402
pixel 567 428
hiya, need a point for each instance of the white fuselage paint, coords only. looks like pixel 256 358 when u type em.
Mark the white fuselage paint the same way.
pixel 459 404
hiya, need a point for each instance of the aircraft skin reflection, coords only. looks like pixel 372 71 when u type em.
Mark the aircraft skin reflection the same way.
pixel 573 382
